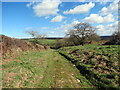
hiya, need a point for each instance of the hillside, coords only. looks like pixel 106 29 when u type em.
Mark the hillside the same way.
pixel 27 65
pixel 12 46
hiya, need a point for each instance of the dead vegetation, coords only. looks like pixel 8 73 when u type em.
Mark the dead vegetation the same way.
pixel 12 46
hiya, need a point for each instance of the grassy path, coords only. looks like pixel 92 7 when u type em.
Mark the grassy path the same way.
pixel 45 69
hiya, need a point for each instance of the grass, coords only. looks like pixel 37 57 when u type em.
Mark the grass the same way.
pixel 98 63
pixel 25 70
pixel 48 42
pixel 41 69
pixel 92 66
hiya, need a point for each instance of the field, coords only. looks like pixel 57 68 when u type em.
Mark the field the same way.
pixel 99 64
pixel 48 42
pixel 57 44
pixel 45 69
pixel 29 65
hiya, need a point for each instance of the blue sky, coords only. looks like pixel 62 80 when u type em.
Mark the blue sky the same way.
pixel 55 18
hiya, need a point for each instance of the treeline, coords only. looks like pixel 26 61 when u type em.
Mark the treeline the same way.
pixel 80 34
pixel 84 33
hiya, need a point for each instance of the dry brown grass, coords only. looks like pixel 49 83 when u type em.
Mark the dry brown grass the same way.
pixel 12 47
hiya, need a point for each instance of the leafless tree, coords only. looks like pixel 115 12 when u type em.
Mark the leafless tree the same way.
pixel 32 33
pixel 36 35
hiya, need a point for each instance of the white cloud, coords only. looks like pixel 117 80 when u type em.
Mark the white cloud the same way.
pixel 114 25
pixel 95 18
pixel 80 9
pixel 52 32
pixel 82 0
pixel 75 22
pixel 58 18
pixel 100 27
pixel 104 30
pixel 65 22
pixel 30 4
pixel 116 1
pixel 104 11
pixel 46 17
pixel 112 8
pixel 108 29
pixel 109 18
pixel 46 8
pixel 67 27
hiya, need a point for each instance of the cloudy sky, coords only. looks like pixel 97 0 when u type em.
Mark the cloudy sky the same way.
pixel 54 17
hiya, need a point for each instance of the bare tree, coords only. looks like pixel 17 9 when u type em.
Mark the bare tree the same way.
pixel 39 36
pixel 32 33
pixel 81 31
pixel 36 35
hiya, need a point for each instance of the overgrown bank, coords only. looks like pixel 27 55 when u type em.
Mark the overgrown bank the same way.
pixel 10 47
pixel 99 64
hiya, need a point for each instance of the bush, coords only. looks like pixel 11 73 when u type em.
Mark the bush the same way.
pixel 115 40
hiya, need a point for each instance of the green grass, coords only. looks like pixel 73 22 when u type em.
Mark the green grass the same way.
pixel 41 69
pixel 26 70
pixel 48 42
pixel 98 63
pixel 97 66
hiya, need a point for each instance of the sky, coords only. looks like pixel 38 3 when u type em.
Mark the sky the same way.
pixel 55 18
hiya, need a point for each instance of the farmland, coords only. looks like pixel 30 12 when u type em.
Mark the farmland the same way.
pixel 48 42
pixel 99 64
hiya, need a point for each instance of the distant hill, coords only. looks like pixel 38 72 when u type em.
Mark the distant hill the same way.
pixel 44 38
pixel 105 37
pixel 102 38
